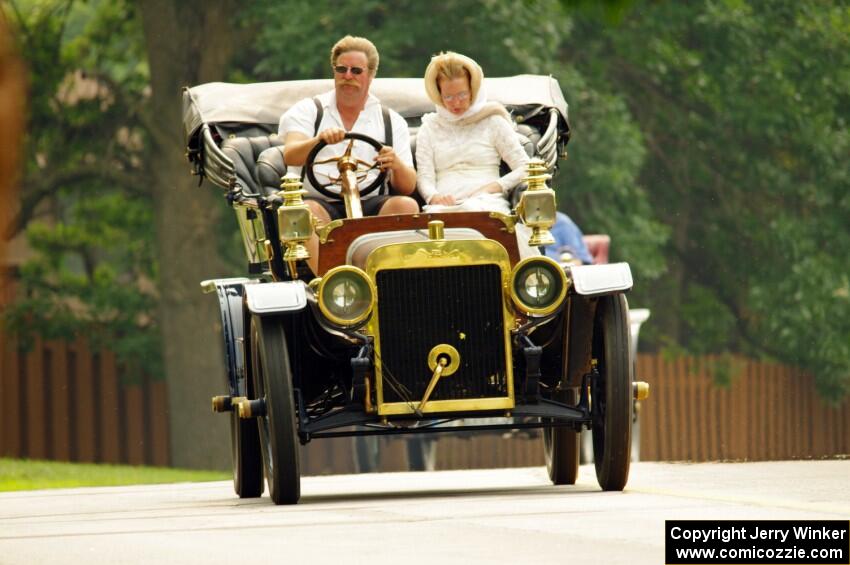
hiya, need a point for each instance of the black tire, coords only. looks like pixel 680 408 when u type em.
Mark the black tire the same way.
pixel 247 457
pixel 560 448
pixel 272 379
pixel 611 393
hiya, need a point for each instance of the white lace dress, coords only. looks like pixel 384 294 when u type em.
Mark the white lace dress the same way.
pixel 459 159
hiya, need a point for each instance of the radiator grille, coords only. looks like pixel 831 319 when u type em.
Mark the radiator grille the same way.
pixel 460 306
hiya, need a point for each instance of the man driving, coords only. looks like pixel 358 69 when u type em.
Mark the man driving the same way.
pixel 350 108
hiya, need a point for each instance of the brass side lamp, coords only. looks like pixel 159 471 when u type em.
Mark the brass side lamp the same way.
pixel 295 221
pixel 536 206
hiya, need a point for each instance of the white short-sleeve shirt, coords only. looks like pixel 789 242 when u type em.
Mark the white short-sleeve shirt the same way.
pixel 302 118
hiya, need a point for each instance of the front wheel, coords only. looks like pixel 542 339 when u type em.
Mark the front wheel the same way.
pixel 611 393
pixel 560 448
pixel 273 383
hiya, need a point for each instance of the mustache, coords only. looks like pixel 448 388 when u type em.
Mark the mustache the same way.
pixel 349 83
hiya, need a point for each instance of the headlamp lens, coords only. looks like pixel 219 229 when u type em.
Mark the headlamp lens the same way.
pixel 538 285
pixel 346 296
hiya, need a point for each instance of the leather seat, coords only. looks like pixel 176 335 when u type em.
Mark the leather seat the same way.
pixel 245 153
pixel 270 168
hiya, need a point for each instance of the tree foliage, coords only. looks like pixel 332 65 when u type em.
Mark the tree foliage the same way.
pixel 84 207
pixel 709 141
pixel 598 185
pixel 744 109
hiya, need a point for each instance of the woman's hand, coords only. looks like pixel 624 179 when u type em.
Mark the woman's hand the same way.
pixel 443 199
pixel 490 188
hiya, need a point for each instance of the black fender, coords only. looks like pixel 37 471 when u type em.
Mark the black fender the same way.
pixel 230 297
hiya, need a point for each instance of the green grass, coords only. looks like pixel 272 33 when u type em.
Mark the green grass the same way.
pixel 24 474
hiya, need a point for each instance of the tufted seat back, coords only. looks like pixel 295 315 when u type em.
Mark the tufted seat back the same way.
pixel 245 153
pixel 270 167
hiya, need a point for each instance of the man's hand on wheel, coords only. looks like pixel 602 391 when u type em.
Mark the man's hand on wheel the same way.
pixel 332 135
pixel 387 159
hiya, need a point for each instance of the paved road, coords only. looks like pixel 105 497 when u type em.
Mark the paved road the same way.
pixel 503 516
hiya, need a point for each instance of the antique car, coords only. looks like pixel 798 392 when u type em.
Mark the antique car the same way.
pixel 412 324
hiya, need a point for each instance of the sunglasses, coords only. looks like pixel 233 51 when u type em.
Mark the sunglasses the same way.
pixel 342 69
pixel 460 96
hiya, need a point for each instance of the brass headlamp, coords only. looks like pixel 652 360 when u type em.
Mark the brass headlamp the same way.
pixel 294 219
pixel 536 206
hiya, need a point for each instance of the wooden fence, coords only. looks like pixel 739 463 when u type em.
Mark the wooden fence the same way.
pixel 62 401
pixel 767 412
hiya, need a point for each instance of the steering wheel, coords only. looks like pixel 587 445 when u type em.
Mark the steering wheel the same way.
pixel 361 170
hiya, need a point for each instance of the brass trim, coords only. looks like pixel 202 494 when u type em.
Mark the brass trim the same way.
pixel 350 193
pixel 443 360
pixel 324 232
pixel 314 285
pixel 435 378
pixel 565 283
pixel 536 179
pixel 510 221
pixel 641 390
pixel 243 408
pixel 253 233
pixel 329 276
pixel 466 405
pixel 225 403
pixel 437 254
pixel 537 174
pixel 291 192
pixel 443 253
pixel 368 407
pixel 220 403
pixel 448 351
pixel 435 229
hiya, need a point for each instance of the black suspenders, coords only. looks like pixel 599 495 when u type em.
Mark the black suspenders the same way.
pixel 388 132
pixel 388 140
pixel 320 111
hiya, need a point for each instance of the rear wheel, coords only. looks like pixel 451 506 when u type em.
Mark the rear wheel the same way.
pixel 247 458
pixel 272 379
pixel 245 451
pixel 611 393
pixel 560 447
